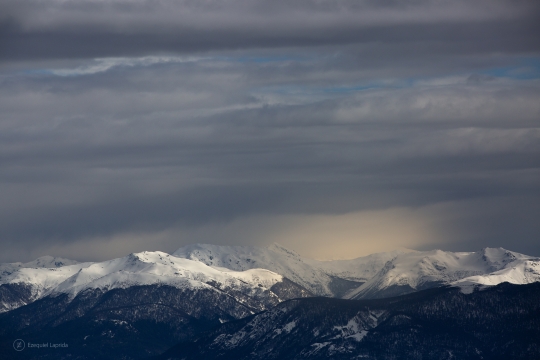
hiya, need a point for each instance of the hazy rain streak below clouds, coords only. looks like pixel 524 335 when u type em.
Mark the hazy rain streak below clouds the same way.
pixel 141 125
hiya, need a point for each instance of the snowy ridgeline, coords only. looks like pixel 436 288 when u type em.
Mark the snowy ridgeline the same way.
pixel 145 268
pixel 377 275
pixel 252 270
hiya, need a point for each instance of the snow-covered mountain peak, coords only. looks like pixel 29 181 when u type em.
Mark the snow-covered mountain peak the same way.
pixel 360 269
pixel 48 261
pixel 376 275
pixel 254 270
pixel 414 271
pixel 33 279
pixel 40 274
pixel 150 267
pixel 500 257
pixel 208 252
pixel 275 258
pixel 278 248
pixel 517 272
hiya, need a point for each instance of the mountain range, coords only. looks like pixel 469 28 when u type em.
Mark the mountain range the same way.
pixel 144 303
pixel 377 275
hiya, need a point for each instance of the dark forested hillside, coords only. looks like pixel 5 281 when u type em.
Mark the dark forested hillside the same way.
pixel 130 323
pixel 502 322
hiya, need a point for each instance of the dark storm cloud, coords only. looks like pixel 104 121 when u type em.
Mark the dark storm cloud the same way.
pixel 136 125
pixel 86 29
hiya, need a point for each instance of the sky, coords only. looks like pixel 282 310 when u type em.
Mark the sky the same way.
pixel 337 128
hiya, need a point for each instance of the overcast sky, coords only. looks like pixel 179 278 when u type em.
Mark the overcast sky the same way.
pixel 336 128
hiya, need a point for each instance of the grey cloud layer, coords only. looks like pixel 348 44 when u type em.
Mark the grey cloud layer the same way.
pixel 80 29
pixel 172 120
